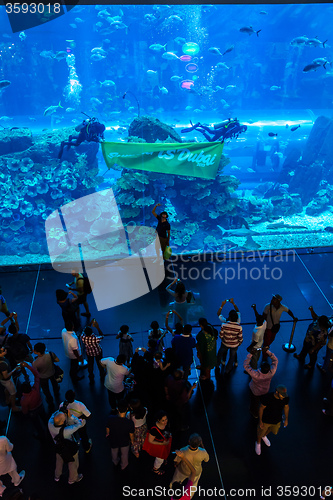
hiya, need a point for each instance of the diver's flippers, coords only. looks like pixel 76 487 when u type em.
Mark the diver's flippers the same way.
pixel 184 130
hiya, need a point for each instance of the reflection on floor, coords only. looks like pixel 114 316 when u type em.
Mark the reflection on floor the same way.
pixel 300 453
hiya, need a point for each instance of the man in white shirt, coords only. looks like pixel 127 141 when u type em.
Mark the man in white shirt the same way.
pixel 195 454
pixel 114 380
pixel 78 410
pixel 72 350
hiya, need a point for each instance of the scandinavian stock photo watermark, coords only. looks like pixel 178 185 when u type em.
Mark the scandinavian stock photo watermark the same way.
pixel 228 266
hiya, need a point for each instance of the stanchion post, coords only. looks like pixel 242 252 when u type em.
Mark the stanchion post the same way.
pixel 289 347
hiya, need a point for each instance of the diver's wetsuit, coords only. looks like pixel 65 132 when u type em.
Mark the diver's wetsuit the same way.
pixel 90 130
pixel 220 132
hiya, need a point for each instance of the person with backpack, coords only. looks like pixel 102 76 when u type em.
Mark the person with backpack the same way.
pixel 82 288
pixel 62 427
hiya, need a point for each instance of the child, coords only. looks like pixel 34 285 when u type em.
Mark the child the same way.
pixel 125 343
pixel 138 414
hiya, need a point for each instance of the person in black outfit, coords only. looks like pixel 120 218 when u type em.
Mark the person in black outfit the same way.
pixel 89 130
pixel 120 431
pixel 162 229
pixel 220 132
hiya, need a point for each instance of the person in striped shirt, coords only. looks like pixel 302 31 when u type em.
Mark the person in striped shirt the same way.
pixel 231 335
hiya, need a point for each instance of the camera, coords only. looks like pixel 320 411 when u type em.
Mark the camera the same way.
pixel 139 348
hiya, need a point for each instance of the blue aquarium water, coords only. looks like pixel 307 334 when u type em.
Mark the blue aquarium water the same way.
pixel 147 73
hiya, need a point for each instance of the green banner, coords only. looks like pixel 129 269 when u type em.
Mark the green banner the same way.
pixel 193 159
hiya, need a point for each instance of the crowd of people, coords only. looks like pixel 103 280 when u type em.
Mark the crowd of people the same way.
pixel 148 388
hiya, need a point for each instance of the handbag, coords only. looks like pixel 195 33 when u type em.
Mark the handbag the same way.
pixel 275 327
pixel 58 372
pixel 66 448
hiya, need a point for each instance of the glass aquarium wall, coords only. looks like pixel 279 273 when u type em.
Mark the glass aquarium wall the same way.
pixel 255 79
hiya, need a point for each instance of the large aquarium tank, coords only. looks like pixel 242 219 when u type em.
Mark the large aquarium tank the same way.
pixel 249 87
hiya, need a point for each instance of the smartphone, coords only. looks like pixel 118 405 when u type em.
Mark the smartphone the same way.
pixel 139 348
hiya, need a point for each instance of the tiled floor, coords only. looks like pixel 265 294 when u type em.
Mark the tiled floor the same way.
pixel 299 456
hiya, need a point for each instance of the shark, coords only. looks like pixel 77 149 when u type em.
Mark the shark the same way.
pixel 249 244
pixel 243 231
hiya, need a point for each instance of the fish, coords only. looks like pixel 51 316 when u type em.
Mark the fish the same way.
pixel 263 13
pixel 118 25
pixel 103 13
pixel 78 20
pixel 188 108
pixel 218 88
pixel 275 87
pixel 4 84
pixel 329 229
pixel 230 88
pixel 214 50
pixel 321 60
pixel 107 83
pixel 6 118
pixel 48 54
pixel 221 65
pixel 72 25
pixel 170 56
pixel 61 54
pixel 151 73
pixel 96 101
pixel 299 40
pixel 70 110
pixel 243 231
pixel 32 118
pixel 250 170
pixel 271 134
pixel 163 90
pixel 234 167
pixel 314 42
pixel 179 40
pixel 294 128
pixel 97 57
pixel 52 109
pixel 157 47
pixel 22 36
pixel 98 50
pixel 311 67
pixel 72 43
pixel 176 78
pixel 229 49
pixel 249 30
pixel 279 154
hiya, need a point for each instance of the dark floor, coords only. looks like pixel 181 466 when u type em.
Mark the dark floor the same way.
pixel 300 454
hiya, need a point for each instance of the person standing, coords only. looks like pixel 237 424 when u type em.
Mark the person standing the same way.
pixel 315 339
pixel 206 348
pixel 273 406
pixel 32 404
pixel 195 454
pixel 79 410
pixel 183 346
pixel 66 425
pixel 260 380
pixel 257 338
pixel 93 349
pixel 158 441
pixel 125 343
pixel 3 304
pixel 162 229
pixel 272 314
pixel 72 350
pixel 114 380
pixel 231 335
pixel 6 380
pixel 45 368
pixel 8 464
pixel 227 320
pixel 120 431
pixel 180 304
pixel 79 289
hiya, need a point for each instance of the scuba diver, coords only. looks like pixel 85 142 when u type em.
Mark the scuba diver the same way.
pixel 220 132
pixel 89 130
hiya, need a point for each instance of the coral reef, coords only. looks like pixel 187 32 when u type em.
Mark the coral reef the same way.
pixel 152 130
pixel 34 183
